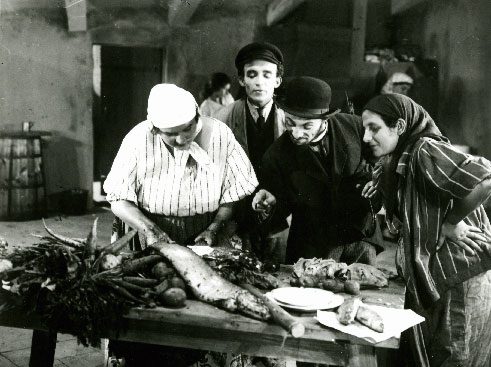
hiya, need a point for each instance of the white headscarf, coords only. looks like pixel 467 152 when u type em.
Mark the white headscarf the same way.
pixel 170 106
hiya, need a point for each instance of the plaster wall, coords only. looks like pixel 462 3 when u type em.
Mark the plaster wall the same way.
pixel 46 74
pixel 457 34
pixel 45 77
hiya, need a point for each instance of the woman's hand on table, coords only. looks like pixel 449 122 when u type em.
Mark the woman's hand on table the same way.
pixel 468 237
pixel 206 238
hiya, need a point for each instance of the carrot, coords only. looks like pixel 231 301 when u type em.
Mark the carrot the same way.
pixel 91 243
pixel 115 247
pixel 129 286
pixel 142 282
pixel 138 264
pixel 66 240
pixel 120 290
pixel 162 287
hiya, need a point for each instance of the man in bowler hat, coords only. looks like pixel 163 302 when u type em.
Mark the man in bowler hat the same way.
pixel 316 172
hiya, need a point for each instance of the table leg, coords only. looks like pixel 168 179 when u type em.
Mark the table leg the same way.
pixel 361 356
pixel 43 348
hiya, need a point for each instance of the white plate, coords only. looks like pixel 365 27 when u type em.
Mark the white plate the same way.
pixel 306 299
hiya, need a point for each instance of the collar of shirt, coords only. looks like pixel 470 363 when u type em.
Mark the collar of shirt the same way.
pixel 320 136
pixel 195 150
pixel 266 110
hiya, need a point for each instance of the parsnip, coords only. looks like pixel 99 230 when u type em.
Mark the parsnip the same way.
pixel 347 311
pixel 370 318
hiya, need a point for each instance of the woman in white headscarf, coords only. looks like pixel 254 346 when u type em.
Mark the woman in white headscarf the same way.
pixel 177 174
pixel 175 178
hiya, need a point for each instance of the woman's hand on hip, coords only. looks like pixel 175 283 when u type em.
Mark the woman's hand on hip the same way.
pixel 206 238
pixel 467 237
pixel 369 190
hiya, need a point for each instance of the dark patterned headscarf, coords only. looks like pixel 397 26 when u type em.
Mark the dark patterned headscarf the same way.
pixel 418 124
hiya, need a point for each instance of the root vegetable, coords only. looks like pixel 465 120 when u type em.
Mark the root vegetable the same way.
pixel 139 264
pixel 91 242
pixel 333 285
pixel 352 287
pixel 294 282
pixel 162 287
pixel 5 265
pixel 142 282
pixel 177 282
pixel 347 311
pixel 115 247
pixel 120 290
pixel 129 286
pixel 174 297
pixel 306 282
pixel 161 270
pixel 110 261
pixel 370 318
pixel 66 240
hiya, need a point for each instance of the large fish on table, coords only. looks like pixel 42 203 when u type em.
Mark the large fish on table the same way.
pixel 208 286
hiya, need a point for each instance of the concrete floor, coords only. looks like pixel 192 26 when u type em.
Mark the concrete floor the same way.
pixel 15 343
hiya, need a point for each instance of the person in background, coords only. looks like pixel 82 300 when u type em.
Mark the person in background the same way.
pixel 216 95
pixel 397 83
pixel 433 193
pixel 176 178
pixel 316 172
pixel 257 122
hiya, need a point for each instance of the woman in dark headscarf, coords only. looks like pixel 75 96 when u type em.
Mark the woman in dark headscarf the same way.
pixel 433 193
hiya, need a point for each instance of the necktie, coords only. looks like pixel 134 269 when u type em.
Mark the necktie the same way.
pixel 260 120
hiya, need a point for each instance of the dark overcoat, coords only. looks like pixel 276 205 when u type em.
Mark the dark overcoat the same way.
pixel 326 206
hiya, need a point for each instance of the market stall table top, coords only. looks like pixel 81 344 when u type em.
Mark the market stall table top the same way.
pixel 202 326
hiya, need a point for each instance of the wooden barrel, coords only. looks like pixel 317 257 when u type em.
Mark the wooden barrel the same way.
pixel 22 190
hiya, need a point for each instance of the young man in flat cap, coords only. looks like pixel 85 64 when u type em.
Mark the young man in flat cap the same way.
pixel 316 173
pixel 256 120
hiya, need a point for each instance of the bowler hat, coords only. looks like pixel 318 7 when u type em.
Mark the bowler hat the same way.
pixel 306 97
pixel 258 51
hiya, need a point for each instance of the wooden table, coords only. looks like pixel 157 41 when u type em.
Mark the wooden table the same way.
pixel 202 326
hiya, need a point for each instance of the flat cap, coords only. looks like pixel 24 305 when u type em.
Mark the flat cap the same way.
pixel 258 51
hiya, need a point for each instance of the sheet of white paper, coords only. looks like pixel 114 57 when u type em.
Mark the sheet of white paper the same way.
pixel 201 250
pixel 395 322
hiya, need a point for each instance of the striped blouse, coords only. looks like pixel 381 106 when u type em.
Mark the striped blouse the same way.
pixel 434 173
pixel 147 174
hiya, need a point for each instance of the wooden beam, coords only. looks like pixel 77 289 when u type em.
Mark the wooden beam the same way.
pixel 76 11
pixel 358 37
pixel 278 9
pixel 399 6
pixel 180 11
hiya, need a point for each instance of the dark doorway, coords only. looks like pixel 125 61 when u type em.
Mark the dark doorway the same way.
pixel 123 77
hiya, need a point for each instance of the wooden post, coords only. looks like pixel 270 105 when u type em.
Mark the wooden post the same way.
pixel 278 9
pixel 180 11
pixel 358 35
pixel 43 348
pixel 76 11
pixel 361 356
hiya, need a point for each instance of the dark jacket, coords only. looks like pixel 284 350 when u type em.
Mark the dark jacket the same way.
pixel 234 115
pixel 327 209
